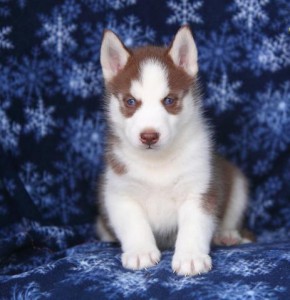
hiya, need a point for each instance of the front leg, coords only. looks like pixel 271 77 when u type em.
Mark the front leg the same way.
pixel 133 231
pixel 195 231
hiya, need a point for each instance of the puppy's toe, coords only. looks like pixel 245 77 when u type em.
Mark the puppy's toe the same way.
pixel 137 260
pixel 191 264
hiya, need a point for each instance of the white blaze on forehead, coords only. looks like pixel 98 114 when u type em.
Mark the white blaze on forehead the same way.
pixel 153 82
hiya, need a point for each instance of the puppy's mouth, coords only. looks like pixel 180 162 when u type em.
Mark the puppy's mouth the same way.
pixel 149 147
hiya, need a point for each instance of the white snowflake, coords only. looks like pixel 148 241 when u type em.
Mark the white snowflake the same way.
pixel 272 54
pixel 4 43
pixel 81 80
pixel 39 120
pixel 59 34
pixel 218 51
pixel 130 31
pixel 250 13
pixel 9 132
pixel 223 95
pixel 184 12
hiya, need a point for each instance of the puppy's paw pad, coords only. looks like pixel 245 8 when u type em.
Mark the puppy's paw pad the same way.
pixel 137 260
pixel 189 265
pixel 228 238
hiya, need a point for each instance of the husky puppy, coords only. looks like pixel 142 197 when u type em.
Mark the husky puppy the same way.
pixel 163 185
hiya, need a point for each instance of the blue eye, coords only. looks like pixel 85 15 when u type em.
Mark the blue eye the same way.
pixel 168 101
pixel 131 102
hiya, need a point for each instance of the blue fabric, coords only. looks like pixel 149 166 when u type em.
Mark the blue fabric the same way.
pixel 51 143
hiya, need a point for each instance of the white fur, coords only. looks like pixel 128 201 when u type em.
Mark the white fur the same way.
pixel 162 189
pixel 151 198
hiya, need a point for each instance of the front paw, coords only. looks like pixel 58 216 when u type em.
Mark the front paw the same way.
pixel 136 260
pixel 189 264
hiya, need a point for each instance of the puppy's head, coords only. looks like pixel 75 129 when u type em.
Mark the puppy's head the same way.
pixel 150 89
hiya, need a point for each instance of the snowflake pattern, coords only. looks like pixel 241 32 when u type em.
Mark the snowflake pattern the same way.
pixel 223 95
pixel 250 13
pixel 39 120
pixel 4 42
pixel 217 52
pixel 184 12
pixel 52 140
pixel 58 35
pixel 271 55
pixel 81 81
pixel 31 77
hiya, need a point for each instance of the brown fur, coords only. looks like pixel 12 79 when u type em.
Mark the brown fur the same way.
pixel 115 164
pixel 217 199
pixel 179 81
pixel 112 161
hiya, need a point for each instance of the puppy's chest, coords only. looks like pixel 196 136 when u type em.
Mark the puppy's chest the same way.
pixel 161 207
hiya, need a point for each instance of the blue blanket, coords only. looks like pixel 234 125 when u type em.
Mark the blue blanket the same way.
pixel 51 143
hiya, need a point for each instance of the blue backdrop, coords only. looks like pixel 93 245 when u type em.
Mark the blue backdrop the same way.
pixel 51 142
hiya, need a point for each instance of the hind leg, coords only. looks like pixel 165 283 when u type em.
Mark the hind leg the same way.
pixel 228 231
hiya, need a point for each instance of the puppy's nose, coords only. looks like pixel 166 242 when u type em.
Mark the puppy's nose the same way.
pixel 149 137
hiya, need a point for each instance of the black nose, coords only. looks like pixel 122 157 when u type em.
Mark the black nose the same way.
pixel 149 137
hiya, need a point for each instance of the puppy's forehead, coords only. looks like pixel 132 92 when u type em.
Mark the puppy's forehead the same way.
pixel 152 82
pixel 150 68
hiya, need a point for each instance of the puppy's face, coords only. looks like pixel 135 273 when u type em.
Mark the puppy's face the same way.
pixel 149 89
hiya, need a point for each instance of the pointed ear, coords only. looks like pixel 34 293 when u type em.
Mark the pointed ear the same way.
pixel 114 55
pixel 183 51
